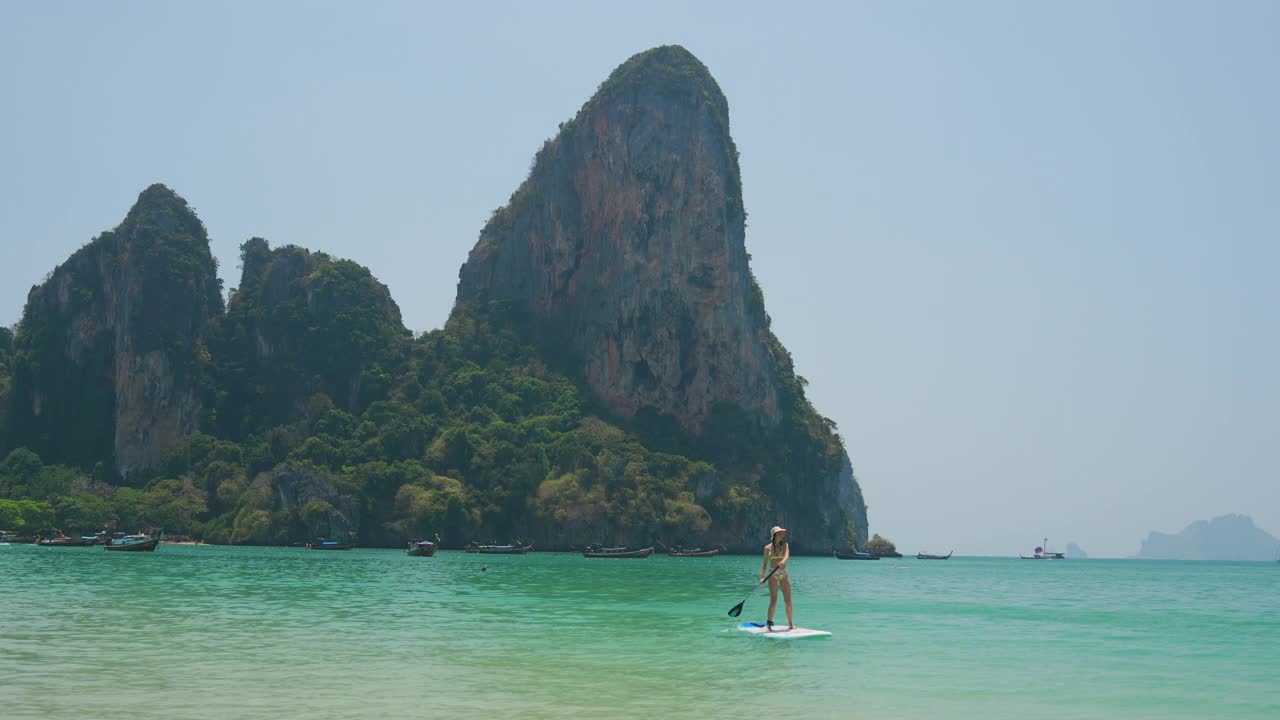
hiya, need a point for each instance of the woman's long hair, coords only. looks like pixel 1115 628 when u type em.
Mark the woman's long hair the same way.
pixel 777 544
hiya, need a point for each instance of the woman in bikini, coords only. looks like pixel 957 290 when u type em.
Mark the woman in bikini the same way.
pixel 776 555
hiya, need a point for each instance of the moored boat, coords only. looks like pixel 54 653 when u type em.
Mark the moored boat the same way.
pixel 595 551
pixel 64 541
pixel 855 555
pixel 16 539
pixel 420 548
pixel 1042 553
pixel 132 543
pixel 498 549
pixel 926 556
pixel 695 552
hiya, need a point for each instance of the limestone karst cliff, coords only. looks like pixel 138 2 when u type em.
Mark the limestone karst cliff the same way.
pixel 626 247
pixel 626 242
pixel 608 373
pixel 299 324
pixel 112 346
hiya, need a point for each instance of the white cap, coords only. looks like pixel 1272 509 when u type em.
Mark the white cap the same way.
pixel 777 529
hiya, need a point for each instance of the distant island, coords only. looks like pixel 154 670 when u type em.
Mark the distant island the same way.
pixel 1075 551
pixel 1230 537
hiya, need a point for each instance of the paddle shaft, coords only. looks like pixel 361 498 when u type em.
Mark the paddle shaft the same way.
pixel 737 609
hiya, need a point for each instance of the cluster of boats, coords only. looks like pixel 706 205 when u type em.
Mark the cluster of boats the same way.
pixel 859 555
pixel 114 541
pixel 142 542
pixel 498 549
pixel 599 551
pixel 427 548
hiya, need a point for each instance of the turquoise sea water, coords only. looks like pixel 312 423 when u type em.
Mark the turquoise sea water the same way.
pixel 208 632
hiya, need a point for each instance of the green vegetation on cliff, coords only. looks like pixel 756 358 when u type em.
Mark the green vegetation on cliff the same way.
pixel 880 546
pixel 303 323
pixel 476 438
pixel 608 373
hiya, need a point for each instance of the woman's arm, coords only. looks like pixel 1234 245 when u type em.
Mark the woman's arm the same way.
pixel 764 563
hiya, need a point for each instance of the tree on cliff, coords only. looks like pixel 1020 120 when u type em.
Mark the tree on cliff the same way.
pixel 880 546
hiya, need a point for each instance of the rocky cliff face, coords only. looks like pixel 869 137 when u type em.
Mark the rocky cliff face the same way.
pixel 625 248
pixel 311 495
pixel 626 243
pixel 112 346
pixel 6 372
pixel 302 323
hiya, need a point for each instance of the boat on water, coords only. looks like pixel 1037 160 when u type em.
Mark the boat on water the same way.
pixel 64 541
pixel 498 549
pixel 323 544
pixel 1041 553
pixel 16 539
pixel 926 556
pixel 855 555
pixel 595 551
pixel 420 548
pixel 888 554
pixel 132 543
pixel 695 552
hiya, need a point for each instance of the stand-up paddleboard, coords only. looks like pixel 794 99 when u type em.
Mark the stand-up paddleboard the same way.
pixel 781 632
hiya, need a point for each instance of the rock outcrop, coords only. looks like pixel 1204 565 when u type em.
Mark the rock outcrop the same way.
pixel 626 243
pixel 624 254
pixel 310 494
pixel 112 346
pixel 303 323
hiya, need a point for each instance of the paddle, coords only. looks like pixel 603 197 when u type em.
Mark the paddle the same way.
pixel 736 610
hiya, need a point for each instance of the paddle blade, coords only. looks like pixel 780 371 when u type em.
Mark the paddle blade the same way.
pixel 736 610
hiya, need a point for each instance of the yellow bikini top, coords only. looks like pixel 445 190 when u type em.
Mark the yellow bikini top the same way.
pixel 775 559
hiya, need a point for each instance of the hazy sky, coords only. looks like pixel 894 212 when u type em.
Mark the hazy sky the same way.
pixel 1026 254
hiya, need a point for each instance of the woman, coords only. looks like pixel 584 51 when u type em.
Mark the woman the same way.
pixel 776 554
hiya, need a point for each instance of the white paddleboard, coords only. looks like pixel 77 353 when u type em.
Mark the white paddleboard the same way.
pixel 780 632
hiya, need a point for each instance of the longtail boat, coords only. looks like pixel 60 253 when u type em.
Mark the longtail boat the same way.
pixel 498 549
pixel 695 552
pixel 617 552
pixel 855 555
pixel 64 541
pixel 925 556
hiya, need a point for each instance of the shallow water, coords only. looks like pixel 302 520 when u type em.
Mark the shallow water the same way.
pixel 202 632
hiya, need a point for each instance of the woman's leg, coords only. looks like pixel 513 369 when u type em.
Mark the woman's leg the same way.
pixel 786 597
pixel 773 598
